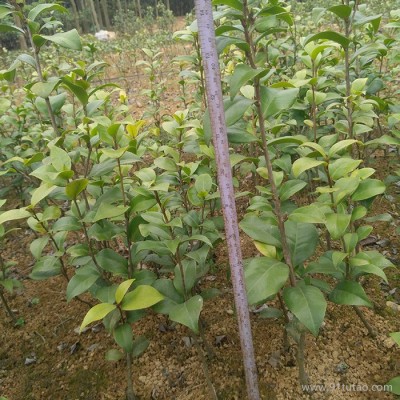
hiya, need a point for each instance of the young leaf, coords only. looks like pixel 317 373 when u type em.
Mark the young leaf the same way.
pixel 74 188
pixel 143 296
pixel 99 311
pixel 188 313
pixel 308 304
pixel 122 289
pixel 203 185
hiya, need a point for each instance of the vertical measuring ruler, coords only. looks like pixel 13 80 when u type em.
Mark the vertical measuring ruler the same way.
pixel 208 47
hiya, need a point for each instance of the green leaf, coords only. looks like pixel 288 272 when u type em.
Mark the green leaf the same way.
pixel 203 185
pixel 82 281
pixel 394 385
pixel 236 4
pixel 96 313
pixel 303 164
pixel 329 35
pixel 143 296
pixel 308 304
pixel 395 336
pixel 60 159
pixel 140 344
pixel 66 224
pixel 242 74
pixel 122 289
pixel 74 188
pixel 114 153
pixel 37 246
pixel 302 240
pixel 261 230
pixel 342 167
pixel 41 8
pixel 41 192
pixel 45 268
pixel 188 313
pixel 111 261
pixel 350 293
pixel 291 187
pixel 341 11
pixel 106 210
pixel 275 101
pixel 114 355
pixel 70 40
pixel 339 146
pixel 123 336
pixel 166 164
pixel 337 224
pixel 368 188
pixel 264 278
pixel 10 28
pixel 12 215
pixel 308 214
pixel 44 89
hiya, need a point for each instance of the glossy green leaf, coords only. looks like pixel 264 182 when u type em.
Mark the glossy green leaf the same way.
pixel 122 289
pixel 188 313
pixel 329 35
pixel 304 164
pixel 261 230
pixel 302 240
pixel 350 293
pixel 74 188
pixel 275 101
pixel 109 211
pixel 291 187
pixel 241 75
pixel 60 159
pixel 368 188
pixel 339 146
pixel 337 224
pixel 308 304
pixel 342 167
pixel 308 214
pixel 41 8
pixel 97 313
pixel 41 192
pixel 264 278
pixel 342 11
pixel 143 296
pixel 69 40
pixel 46 267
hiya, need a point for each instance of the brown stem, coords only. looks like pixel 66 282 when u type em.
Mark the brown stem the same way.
pixel 360 314
pixel 130 394
pixel 303 377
